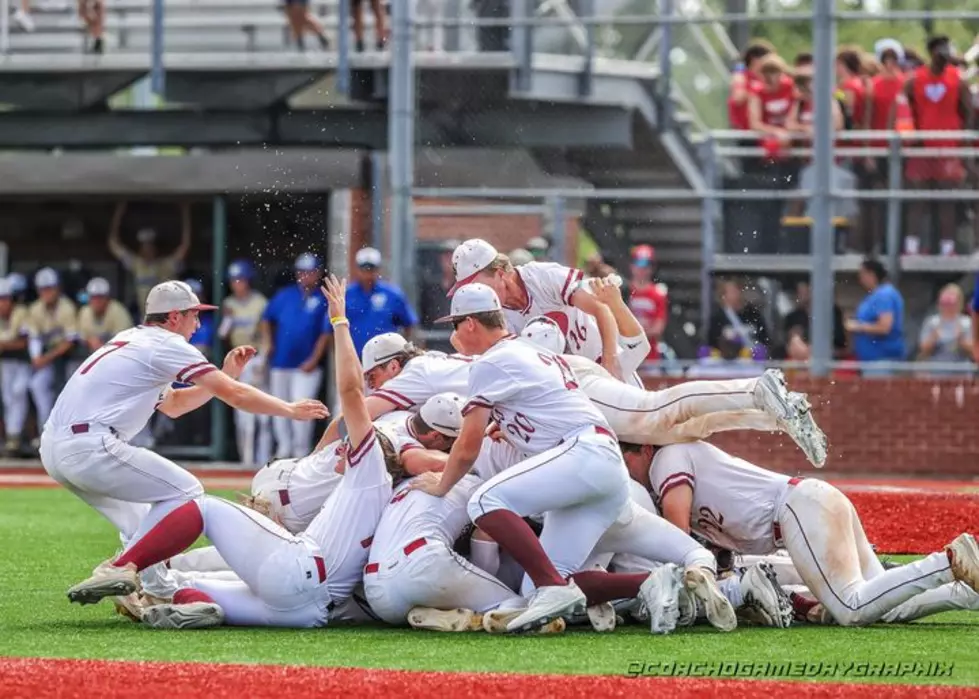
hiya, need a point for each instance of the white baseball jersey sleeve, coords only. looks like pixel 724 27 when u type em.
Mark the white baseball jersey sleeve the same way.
pixel 123 382
pixel 735 503
pixel 398 426
pixel 425 376
pixel 533 395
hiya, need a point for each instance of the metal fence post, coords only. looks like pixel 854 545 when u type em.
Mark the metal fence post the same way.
pixel 4 27
pixel 521 44
pixel 343 48
pixel 822 233
pixel 401 148
pixel 665 71
pixel 893 243
pixel 585 77
pixel 559 229
pixel 708 243
pixel 219 255
pixel 157 69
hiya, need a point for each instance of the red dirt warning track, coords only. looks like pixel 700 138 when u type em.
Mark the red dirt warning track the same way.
pixel 65 679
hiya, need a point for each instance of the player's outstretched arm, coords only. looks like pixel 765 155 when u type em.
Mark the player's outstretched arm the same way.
pixel 250 399
pixel 185 400
pixel 349 374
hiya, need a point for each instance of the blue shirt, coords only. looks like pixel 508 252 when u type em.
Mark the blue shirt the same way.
pixel 383 310
pixel 975 296
pixel 868 348
pixel 204 337
pixel 297 321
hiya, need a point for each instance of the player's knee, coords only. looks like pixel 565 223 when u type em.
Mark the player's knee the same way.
pixel 844 616
pixel 482 503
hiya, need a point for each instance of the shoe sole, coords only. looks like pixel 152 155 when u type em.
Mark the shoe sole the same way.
pixel 183 616
pixel 763 609
pixel 96 591
pixel 601 617
pixel 495 622
pixel 719 611
pixel 782 599
pixel 663 619
pixel 126 610
pixel 446 621
pixel 965 563
pixel 540 622
pixel 806 433
pixel 774 388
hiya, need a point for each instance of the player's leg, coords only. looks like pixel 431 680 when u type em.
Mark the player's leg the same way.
pixel 15 377
pixel 42 392
pixel 705 426
pixel 946 598
pixel 820 528
pixel 279 386
pixel 304 385
pixel 206 559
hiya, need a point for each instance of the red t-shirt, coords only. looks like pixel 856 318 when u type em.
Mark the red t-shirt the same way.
pixel 648 303
pixel 936 103
pixel 737 114
pixel 858 110
pixel 776 104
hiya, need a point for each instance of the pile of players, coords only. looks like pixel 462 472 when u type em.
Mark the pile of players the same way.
pixel 526 483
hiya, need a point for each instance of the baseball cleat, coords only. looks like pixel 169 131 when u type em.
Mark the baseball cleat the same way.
pixel 771 395
pixel 547 604
pixel 659 594
pixel 804 431
pixel 448 621
pixel 765 602
pixel 195 615
pixel 129 606
pixel 687 606
pixel 496 621
pixel 107 581
pixel 602 617
pixel 963 556
pixel 702 584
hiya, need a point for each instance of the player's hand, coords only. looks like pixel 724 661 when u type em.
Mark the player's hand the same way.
pixel 605 291
pixel 308 409
pixel 335 291
pixel 612 366
pixel 236 360
pixel 428 482
pixel 494 432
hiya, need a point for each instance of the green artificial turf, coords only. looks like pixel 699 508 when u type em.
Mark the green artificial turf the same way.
pixel 51 540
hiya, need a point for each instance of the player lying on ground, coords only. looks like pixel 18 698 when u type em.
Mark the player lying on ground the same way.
pixel 285 580
pixel 746 509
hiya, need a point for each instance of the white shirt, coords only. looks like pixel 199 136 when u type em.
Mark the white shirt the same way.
pixel 313 480
pixel 397 425
pixel 735 503
pixel 534 395
pixel 123 382
pixel 412 515
pixel 424 376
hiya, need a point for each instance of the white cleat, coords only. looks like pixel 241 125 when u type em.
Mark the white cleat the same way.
pixel 771 395
pixel 495 622
pixel 547 604
pixel 765 602
pixel 804 431
pixel 447 621
pixel 687 605
pixel 659 594
pixel 701 583
pixel 963 556
pixel 602 617
pixel 107 581
pixel 129 606
pixel 195 615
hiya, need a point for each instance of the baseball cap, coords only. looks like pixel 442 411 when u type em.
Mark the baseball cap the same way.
pixel 472 299
pixel 307 262
pixel 241 269
pixel 5 288
pixel 174 296
pixel 443 412
pixel 368 257
pixel 643 255
pixel 544 332
pixel 382 348
pixel 469 259
pixel 97 286
pixel 18 282
pixel 45 278
pixel 894 45
pixel 537 244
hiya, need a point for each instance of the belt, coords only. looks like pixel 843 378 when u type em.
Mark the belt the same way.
pixel 284 498
pixel 776 528
pixel 86 427
pixel 408 550
pixel 320 567
pixel 604 431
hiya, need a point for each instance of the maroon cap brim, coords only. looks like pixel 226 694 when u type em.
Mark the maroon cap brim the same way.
pixel 461 283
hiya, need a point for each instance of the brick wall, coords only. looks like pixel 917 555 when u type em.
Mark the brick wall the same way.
pixel 900 426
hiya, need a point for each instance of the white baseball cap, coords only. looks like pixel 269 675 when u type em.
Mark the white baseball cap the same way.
pixel 6 288
pixel 469 259
pixel 174 296
pixel 544 332
pixel 443 413
pixel 45 278
pixel 382 348
pixel 17 281
pixel 307 262
pixel 538 243
pixel 368 257
pixel 97 286
pixel 472 299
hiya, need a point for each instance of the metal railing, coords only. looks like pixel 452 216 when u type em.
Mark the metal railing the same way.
pixel 923 370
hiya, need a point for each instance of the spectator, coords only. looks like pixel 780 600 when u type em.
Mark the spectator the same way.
pixel 203 338
pixel 855 87
pixel 744 319
pixel 302 20
pixel 18 287
pixel 15 367
pixel 730 359
pixel 292 330
pixel 146 265
pixel 744 82
pixel 797 323
pixel 877 331
pixel 769 105
pixel 375 306
pixel 940 101
pixel 92 13
pixel 946 336
pixel 434 295
pixel 520 256
pixel 52 320
pixel 430 31
pixel 380 24
pixel 647 299
pixel 22 16
pixel 539 247
pixel 803 60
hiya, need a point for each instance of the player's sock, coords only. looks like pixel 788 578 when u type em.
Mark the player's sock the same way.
pixel 189 595
pixel 171 535
pixel 517 538
pixel 600 586
pixel 485 555
pixel 801 604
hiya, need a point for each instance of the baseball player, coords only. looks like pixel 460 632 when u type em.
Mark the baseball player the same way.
pixel 741 507
pixel 102 318
pixel 15 366
pixel 52 320
pixel 285 580
pixel 84 445
pixel 241 314
pixel 538 288
pixel 572 469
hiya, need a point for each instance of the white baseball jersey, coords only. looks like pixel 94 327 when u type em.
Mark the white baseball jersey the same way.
pixel 398 426
pixel 735 503
pixel 533 394
pixel 425 376
pixel 123 382
pixel 313 480
pixel 413 515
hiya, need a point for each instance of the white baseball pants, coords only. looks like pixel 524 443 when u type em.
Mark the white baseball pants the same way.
pixel 293 438
pixel 430 576
pixel 131 487
pixel 15 377
pixel 283 577
pixel 583 486
pixel 253 432
pixel 823 535
pixel 42 392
